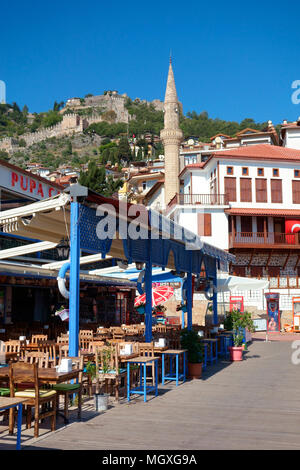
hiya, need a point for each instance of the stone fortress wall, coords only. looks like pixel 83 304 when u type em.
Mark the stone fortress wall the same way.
pixel 73 123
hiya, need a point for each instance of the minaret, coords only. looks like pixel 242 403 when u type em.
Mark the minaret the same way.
pixel 171 136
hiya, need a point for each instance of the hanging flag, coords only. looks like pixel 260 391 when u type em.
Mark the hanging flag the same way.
pixel 292 226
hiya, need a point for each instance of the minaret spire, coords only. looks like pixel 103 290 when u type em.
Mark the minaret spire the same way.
pixel 171 136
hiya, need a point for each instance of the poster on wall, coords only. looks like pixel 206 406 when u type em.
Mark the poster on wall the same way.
pixel 296 313
pixel 236 302
pixel 273 314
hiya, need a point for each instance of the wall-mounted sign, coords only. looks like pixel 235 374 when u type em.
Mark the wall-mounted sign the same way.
pixel 236 302
pixel 260 324
pixel 296 313
pixel 273 320
pixel 26 184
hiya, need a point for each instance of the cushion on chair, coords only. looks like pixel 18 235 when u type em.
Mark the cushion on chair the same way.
pixel 113 372
pixel 65 387
pixel 30 393
pixel 4 392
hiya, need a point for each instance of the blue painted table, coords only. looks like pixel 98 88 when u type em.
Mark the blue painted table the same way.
pixel 143 389
pixel 213 356
pixel 11 402
pixel 226 342
pixel 174 353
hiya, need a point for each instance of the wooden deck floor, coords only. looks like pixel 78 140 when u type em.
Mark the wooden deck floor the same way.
pixel 254 404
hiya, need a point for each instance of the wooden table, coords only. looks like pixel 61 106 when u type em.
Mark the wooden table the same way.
pixel 10 402
pixel 171 376
pixel 47 375
pixel 143 388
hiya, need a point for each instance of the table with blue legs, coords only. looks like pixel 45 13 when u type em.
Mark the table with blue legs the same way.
pixel 204 365
pixel 143 389
pixel 174 375
pixel 226 342
pixel 213 356
pixel 11 402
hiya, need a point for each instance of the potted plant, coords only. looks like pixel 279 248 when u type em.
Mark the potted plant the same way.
pixel 239 321
pixel 190 340
pixel 100 399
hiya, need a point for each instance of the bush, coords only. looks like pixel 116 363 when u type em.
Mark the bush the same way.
pixel 190 340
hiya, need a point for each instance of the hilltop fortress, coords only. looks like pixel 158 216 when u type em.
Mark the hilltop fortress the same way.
pixel 78 114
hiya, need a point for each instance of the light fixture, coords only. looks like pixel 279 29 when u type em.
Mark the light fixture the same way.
pixel 63 249
pixel 139 266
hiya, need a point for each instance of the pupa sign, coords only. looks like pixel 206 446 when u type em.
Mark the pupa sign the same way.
pixel 26 184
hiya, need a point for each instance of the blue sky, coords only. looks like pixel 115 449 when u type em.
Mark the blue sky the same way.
pixel 231 59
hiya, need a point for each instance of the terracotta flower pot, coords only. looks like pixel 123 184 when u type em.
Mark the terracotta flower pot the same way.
pixel 236 353
pixel 194 370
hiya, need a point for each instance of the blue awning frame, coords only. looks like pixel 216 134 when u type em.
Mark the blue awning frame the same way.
pixel 155 250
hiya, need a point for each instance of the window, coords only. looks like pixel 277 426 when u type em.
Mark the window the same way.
pixel 261 190
pixel 245 171
pixel 245 190
pixel 262 224
pixel 204 224
pixel 246 224
pixel 230 188
pixel 275 172
pixel 297 173
pixel 276 191
pixel 296 191
pixel 260 172
pixel 230 170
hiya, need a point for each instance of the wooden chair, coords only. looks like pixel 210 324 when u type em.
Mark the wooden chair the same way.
pixel 147 350
pixel 108 370
pixel 42 359
pixel 20 372
pixel 84 342
pixel 68 389
pixel 93 345
pixel 38 338
pixel 49 347
pixel 118 333
pixel 86 334
pixel 13 345
pixel 62 339
pixel 63 352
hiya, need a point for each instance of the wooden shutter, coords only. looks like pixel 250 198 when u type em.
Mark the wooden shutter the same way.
pixel 239 270
pixel 261 190
pixel 273 271
pixel 276 190
pixel 261 221
pixel 296 192
pixel 245 190
pixel 204 224
pixel 256 271
pixel 230 188
pixel 246 224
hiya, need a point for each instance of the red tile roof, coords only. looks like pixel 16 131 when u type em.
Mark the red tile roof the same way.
pixel 261 151
pixel 254 211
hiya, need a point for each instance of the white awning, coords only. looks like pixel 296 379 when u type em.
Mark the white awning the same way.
pixel 238 283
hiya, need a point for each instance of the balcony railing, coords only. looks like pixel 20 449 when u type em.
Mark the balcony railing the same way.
pixel 203 199
pixel 261 238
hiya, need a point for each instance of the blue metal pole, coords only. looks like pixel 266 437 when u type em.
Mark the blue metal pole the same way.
pixel 74 280
pixel 215 299
pixel 148 309
pixel 189 301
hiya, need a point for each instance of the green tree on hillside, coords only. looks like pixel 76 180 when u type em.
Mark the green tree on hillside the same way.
pixel 96 180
